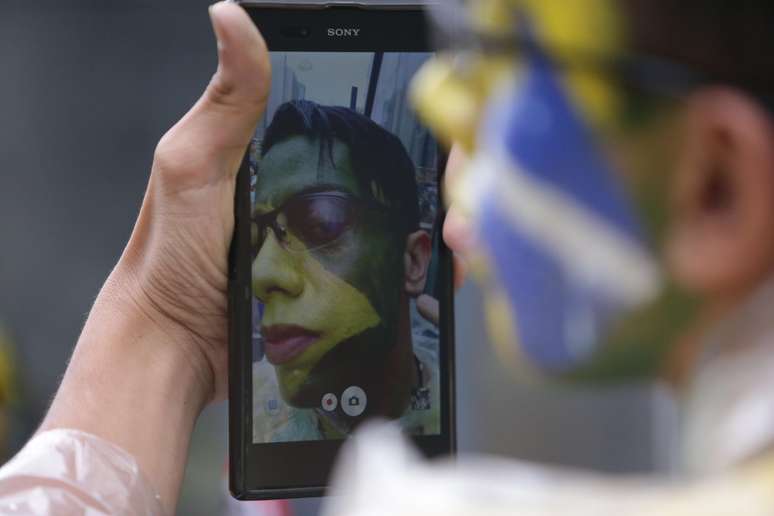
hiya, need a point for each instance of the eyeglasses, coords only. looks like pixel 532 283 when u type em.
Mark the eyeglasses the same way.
pixel 311 221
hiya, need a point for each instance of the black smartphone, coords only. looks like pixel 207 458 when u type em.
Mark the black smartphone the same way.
pixel 338 217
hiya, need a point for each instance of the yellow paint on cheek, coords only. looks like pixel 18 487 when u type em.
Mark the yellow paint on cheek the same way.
pixel 329 305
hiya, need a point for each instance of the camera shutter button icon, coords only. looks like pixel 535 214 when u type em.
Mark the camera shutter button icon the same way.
pixel 353 401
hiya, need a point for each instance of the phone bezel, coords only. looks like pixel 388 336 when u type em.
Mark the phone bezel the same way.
pixel 383 29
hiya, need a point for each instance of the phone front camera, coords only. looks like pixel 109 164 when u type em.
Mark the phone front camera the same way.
pixel 297 32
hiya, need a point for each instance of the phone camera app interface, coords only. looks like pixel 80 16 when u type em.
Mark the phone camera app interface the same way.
pixel 344 236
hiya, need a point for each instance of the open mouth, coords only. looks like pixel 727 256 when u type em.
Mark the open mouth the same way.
pixel 285 342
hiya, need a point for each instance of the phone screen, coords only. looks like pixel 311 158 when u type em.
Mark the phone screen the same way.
pixel 344 231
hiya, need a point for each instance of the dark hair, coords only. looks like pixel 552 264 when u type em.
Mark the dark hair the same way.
pixel 728 41
pixel 378 157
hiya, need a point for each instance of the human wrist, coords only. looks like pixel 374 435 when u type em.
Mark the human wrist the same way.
pixel 131 383
pixel 125 306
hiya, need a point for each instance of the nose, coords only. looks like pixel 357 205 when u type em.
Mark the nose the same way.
pixel 275 271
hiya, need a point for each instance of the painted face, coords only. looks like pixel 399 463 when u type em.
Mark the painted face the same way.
pixel 327 269
pixel 564 220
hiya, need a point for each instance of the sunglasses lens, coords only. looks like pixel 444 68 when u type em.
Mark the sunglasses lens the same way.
pixel 319 220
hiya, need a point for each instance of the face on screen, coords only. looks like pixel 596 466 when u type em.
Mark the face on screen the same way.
pixel 344 199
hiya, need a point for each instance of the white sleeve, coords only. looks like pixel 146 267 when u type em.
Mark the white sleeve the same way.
pixel 379 474
pixel 72 472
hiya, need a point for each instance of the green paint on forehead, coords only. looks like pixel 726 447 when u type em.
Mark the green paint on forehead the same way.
pixel 369 256
pixel 301 164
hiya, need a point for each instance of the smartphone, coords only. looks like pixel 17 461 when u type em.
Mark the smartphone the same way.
pixel 338 218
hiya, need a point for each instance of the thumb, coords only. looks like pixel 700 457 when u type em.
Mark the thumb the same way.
pixel 212 137
pixel 237 95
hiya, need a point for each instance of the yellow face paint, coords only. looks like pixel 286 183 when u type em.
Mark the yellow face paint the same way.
pixel 451 93
pixel 450 96
pixel 342 296
pixel 327 305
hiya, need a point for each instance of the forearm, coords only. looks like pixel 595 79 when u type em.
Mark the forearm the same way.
pixel 153 351
pixel 131 383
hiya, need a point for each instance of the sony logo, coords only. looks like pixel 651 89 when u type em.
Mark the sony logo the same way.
pixel 343 33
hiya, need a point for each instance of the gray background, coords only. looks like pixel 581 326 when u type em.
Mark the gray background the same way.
pixel 86 90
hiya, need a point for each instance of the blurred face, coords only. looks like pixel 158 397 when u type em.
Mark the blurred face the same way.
pixel 565 193
pixel 613 226
pixel 327 270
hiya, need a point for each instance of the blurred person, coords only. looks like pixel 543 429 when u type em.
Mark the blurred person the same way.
pixel 618 198
pixel 660 262
pixel 338 257
pixel 617 208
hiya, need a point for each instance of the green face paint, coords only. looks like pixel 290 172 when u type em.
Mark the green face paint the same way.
pixel 639 346
pixel 332 311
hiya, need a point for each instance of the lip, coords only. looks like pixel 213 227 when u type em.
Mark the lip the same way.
pixel 285 342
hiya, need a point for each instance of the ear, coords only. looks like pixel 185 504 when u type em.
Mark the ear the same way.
pixel 416 259
pixel 721 241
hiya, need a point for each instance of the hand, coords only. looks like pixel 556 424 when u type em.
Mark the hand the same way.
pixel 457 232
pixel 153 351
pixel 427 306
pixel 176 262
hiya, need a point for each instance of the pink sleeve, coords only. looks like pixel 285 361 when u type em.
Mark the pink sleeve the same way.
pixel 72 472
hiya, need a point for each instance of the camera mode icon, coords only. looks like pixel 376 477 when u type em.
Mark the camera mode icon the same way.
pixel 353 401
